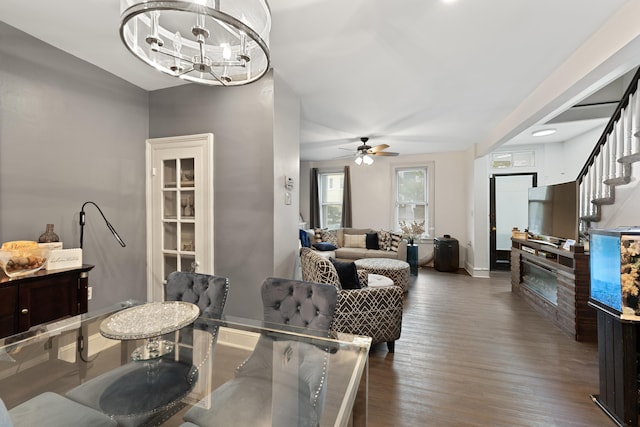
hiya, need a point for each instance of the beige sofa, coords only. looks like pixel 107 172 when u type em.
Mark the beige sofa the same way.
pixel 348 252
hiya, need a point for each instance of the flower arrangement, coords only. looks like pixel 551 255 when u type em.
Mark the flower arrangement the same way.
pixel 412 229
pixel 630 271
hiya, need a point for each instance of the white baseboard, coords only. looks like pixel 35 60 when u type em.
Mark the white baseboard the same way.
pixel 95 344
pixel 238 339
pixel 481 273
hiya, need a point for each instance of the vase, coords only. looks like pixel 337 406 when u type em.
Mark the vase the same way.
pixel 48 236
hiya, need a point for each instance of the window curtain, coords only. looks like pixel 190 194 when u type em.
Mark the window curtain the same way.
pixel 346 220
pixel 314 200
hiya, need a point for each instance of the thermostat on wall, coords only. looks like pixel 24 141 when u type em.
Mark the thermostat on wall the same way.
pixel 288 183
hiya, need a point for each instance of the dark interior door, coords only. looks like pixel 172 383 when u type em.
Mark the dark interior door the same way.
pixel 508 195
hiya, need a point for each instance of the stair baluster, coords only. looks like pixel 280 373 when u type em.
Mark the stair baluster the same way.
pixel 610 161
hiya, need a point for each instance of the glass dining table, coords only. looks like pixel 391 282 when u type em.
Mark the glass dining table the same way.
pixel 73 359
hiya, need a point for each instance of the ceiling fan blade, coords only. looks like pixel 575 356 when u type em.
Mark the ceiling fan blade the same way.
pixel 378 148
pixel 386 153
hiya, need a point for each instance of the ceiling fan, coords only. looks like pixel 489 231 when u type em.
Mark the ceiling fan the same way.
pixel 365 152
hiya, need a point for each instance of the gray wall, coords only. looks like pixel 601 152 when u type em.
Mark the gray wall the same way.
pixel 71 132
pixel 241 119
pixel 286 163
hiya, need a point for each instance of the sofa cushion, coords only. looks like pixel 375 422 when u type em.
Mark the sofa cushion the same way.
pixel 318 234
pixel 395 241
pixel 351 253
pixel 305 241
pixel 355 231
pixel 384 240
pixel 347 273
pixel 330 236
pixel 372 253
pixel 355 241
pixel 371 241
pixel 324 246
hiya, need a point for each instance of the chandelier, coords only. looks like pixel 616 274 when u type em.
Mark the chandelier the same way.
pixel 211 42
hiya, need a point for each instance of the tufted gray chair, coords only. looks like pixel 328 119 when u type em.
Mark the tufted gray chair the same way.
pixel 206 291
pixel 373 312
pixel 291 391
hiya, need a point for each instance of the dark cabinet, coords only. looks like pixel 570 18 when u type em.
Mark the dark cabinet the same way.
pixel 446 256
pixel 42 297
pixel 618 368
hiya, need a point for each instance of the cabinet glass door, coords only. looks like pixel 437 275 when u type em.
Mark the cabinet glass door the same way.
pixel 180 208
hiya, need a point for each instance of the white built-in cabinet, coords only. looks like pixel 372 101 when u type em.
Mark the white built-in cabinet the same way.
pixel 179 208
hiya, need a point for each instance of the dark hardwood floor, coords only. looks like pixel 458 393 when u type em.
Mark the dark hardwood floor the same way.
pixel 472 353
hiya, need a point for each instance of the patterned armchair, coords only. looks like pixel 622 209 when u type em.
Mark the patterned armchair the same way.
pixel 374 312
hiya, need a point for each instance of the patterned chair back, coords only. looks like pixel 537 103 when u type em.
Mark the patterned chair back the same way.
pixel 318 269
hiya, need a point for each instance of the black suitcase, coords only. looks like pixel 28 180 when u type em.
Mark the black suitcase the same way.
pixel 446 253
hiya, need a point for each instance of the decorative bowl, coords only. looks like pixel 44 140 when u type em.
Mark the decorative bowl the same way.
pixel 17 260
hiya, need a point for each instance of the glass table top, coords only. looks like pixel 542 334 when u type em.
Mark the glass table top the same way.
pixel 49 358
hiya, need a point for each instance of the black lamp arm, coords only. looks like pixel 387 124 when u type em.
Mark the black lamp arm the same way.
pixel 82 223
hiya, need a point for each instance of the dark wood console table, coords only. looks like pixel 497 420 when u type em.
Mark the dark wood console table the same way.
pixel 556 283
pixel 42 297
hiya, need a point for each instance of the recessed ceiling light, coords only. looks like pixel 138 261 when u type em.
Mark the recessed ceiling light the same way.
pixel 544 132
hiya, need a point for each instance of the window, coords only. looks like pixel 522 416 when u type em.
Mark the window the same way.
pixel 412 197
pixel 331 185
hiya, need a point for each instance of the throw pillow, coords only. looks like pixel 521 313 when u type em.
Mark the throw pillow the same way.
pixel 324 246
pixel 395 241
pixel 318 234
pixel 330 236
pixel 347 273
pixel 355 241
pixel 371 241
pixel 305 242
pixel 384 240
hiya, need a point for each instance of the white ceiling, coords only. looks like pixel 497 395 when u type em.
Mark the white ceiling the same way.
pixel 419 75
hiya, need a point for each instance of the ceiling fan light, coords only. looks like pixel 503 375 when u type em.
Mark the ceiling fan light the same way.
pixel 367 159
pixel 358 160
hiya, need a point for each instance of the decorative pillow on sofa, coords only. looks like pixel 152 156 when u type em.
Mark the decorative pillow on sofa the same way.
pixel 330 236
pixel 355 241
pixel 347 273
pixel 384 240
pixel 318 234
pixel 371 241
pixel 324 246
pixel 395 241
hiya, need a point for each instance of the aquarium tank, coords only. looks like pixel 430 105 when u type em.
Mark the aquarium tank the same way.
pixel 615 270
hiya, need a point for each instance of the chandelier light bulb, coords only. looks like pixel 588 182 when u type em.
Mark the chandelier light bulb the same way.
pixel 226 51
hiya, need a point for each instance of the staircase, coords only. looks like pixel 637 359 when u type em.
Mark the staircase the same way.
pixel 610 162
